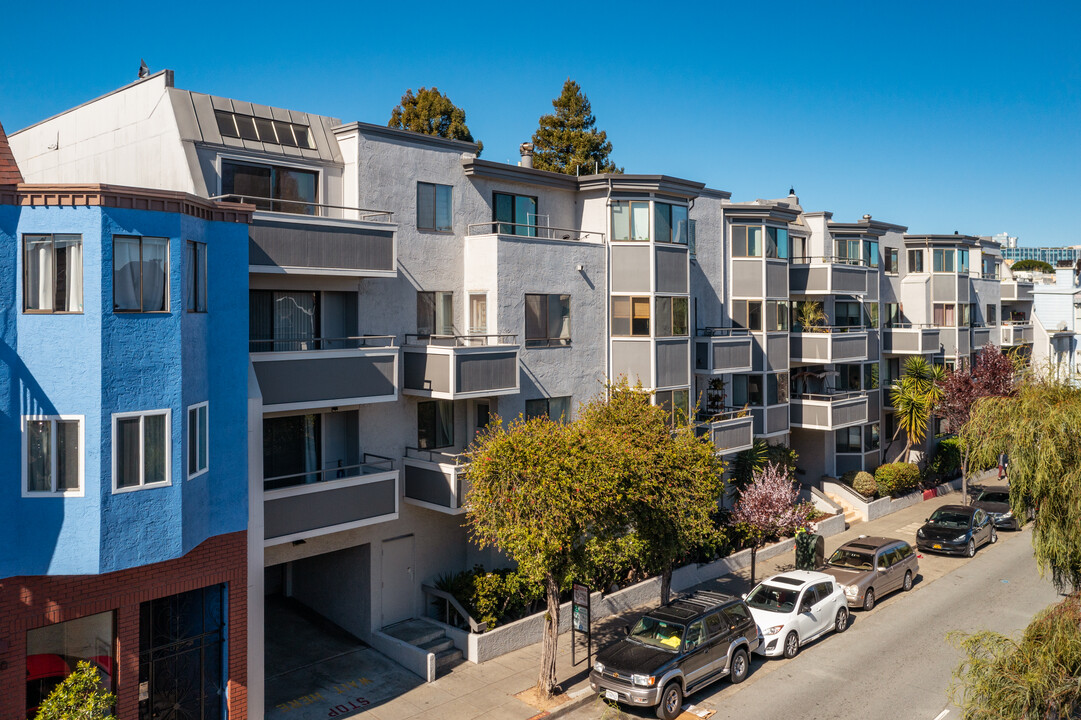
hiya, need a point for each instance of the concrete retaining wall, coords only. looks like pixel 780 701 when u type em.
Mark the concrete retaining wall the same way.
pixel 874 509
pixel 411 657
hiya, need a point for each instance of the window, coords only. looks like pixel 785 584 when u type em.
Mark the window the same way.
pixel 670 223
pixel 890 260
pixel 746 241
pixel 849 440
pixel 847 314
pixel 967 314
pixel 435 313
pixel 870 253
pixel 556 409
pixel 517 214
pixel 754 389
pixel 915 261
pixel 182 655
pixel 53 651
pixel 870 437
pixel 53 273
pixel 848 376
pixel 943 315
pixel 747 314
pixel 140 274
pixel 893 314
pixel 777 242
pixel 992 315
pixel 283 321
pixel 943 260
pixel 292 450
pixel 435 424
pixel 777 389
pixel 195 276
pixel 714 624
pixel 671 316
pixel 676 402
pixel 962 261
pixel 548 320
pixel 198 439
pixel 777 315
pixel 140 450
pixel 433 207
pixel 478 314
pixel 870 376
pixel 740 395
pixel 847 248
pixel 630 221
pixel 264 130
pixel 272 187
pixel 696 635
pixel 52 455
pixel 737 614
pixel 630 316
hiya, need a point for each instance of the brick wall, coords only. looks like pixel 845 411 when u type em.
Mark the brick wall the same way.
pixel 32 602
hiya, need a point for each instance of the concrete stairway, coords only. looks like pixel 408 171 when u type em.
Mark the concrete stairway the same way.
pixel 851 516
pixel 428 637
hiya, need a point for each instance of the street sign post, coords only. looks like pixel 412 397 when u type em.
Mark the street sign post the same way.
pixel 580 620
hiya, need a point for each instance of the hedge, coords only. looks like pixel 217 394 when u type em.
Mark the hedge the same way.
pixel 897 478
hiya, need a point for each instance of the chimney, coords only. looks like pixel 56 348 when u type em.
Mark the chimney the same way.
pixel 527 154
pixel 1064 276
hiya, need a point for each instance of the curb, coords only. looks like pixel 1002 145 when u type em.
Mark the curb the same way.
pixel 585 696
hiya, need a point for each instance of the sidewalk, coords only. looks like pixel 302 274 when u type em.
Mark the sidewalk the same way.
pixel 488 690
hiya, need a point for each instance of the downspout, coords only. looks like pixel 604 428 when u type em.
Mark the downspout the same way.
pixel 608 282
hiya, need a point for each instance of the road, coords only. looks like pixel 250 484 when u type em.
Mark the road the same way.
pixel 893 662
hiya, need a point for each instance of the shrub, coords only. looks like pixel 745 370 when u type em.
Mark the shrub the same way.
pixel 946 462
pixel 849 477
pixel 897 478
pixel 865 484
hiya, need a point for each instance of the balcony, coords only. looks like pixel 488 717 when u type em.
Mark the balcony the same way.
pixel 1015 334
pixel 730 431
pixel 829 345
pixel 306 374
pixel 911 339
pixel 824 275
pixel 341 498
pixel 812 411
pixel 455 367
pixel 722 350
pixel 1016 291
pixel 956 342
pixel 435 480
pixel 982 335
pixel 540 232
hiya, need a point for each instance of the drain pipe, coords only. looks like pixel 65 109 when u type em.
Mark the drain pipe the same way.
pixel 608 280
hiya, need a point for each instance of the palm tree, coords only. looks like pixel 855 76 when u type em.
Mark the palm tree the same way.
pixel 913 396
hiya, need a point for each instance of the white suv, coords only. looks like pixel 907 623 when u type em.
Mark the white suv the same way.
pixel 794 608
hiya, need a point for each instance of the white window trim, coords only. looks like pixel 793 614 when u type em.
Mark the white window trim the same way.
pixel 168 413
pixel 81 492
pixel 187 430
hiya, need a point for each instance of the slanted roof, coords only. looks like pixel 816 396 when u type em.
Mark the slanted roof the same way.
pixel 9 170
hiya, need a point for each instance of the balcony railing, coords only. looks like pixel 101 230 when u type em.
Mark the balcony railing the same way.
pixel 722 332
pixel 298 343
pixel 829 411
pixel 722 350
pixel 453 367
pixel 731 430
pixel 1016 333
pixel 461 340
pixel 529 230
pixel 827 260
pixel 434 479
pixel 910 338
pixel 311 373
pixel 372 464
pixel 302 207
pixel 830 344
pixel 825 275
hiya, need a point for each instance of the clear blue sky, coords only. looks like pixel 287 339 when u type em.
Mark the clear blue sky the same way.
pixel 940 116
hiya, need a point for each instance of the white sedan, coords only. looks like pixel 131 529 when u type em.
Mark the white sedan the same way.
pixel 794 608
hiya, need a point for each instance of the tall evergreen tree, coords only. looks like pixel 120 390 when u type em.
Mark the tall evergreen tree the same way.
pixel 432 113
pixel 568 141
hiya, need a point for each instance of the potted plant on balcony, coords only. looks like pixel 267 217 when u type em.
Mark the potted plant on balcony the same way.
pixel 811 317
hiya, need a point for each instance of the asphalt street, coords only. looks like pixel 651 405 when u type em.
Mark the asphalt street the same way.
pixel 895 661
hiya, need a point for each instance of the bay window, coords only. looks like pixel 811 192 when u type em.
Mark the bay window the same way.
pixel 53 273
pixel 140 450
pixel 777 243
pixel 943 260
pixel 746 241
pixel 671 316
pixel 670 223
pixel 630 316
pixel 140 274
pixel 53 455
pixel 630 221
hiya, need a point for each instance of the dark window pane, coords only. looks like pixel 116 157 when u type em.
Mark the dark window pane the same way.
pixel 504 212
pixel 155 446
pixel 127 273
pixel 679 316
pixel 425 313
pixel 426 425
pixel 536 317
pixel 442 207
pixel 226 126
pixel 266 131
pixel 193 441
pixel 155 268
pixel 67 455
pixel 444 434
pixel 251 181
pixel 127 452
pixel 39 456
pixel 246 126
pixel 425 206
pixel 525 216
pixel 297 185
pixel 303 136
pixel 640 316
pixel 664 317
pixel 291 447
pixel 536 408
pixel 662 222
pixel 680 231
pixel 285 133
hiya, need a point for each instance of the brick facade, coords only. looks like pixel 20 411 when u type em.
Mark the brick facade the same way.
pixel 32 602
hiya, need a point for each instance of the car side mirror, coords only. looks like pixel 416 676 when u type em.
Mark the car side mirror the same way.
pixel 805 607
pixel 626 629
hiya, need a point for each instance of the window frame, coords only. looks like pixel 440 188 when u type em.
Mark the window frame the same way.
pixel 204 441
pixel 25 456
pixel 848 441
pixel 566 417
pixel 918 256
pixel 548 340
pixel 437 403
pixel 670 318
pixel 632 301
pixel 199 290
pixel 943 257
pixel 273 166
pixel 438 301
pixel 142 414
pixel 745 242
pixel 449 229
pixel 168 289
pixel 480 299
pixel 630 207
pixel 890 261
pixel 526 230
pixel 277 125
pixel 26 273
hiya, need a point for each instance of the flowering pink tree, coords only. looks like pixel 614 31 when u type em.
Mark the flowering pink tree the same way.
pixel 770 507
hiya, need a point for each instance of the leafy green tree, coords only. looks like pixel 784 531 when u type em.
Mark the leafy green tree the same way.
pixel 1032 265
pixel 913 396
pixel 432 113
pixel 568 140
pixel 79 697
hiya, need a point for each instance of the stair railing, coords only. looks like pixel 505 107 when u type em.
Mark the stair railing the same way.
pixel 453 604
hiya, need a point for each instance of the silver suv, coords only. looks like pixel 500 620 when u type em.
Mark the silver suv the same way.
pixel 869 567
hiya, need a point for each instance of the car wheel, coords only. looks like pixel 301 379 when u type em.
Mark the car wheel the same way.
pixel 869 599
pixel 791 645
pixel 741 665
pixel 671 704
pixel 841 623
pixel 971 550
pixel 908 581
pixel 994 535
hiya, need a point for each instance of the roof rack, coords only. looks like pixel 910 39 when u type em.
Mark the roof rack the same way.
pixel 706 599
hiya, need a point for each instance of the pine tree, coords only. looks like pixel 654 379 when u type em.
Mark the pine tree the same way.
pixel 432 113
pixel 568 141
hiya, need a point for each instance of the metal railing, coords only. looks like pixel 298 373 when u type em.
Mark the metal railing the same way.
pixel 293 344
pixel 830 397
pixel 1017 323
pixel 908 326
pixel 989 276
pixel 722 332
pixel 313 209
pixel 827 260
pixel 371 464
pixel 461 340
pixel 541 232
pixel 451 603
pixel 435 456
pixel 729 412
pixel 830 329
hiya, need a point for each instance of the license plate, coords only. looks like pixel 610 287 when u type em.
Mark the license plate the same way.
pixel 611 695
pixel 937 547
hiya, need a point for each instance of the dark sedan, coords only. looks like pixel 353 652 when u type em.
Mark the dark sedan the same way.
pixel 995 501
pixel 956 530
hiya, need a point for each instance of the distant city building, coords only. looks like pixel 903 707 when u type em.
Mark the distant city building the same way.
pixel 1011 252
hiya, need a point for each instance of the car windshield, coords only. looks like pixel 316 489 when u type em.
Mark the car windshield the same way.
pixel 660 633
pixel 773 598
pixel 950 519
pixel 994 497
pixel 850 559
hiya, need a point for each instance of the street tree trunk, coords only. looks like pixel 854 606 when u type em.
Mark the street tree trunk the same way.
pixel 964 477
pixel 666 583
pixel 547 680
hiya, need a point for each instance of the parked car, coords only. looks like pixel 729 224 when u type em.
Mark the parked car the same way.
pixel 794 608
pixel 956 529
pixel 676 649
pixel 869 567
pixel 995 501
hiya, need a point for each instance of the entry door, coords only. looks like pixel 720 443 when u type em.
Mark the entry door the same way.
pixel 399 588
pixel 482 415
